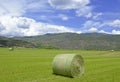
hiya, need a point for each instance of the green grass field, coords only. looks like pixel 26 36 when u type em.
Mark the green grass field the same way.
pixel 35 65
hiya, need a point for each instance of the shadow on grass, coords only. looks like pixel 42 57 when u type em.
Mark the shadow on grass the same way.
pixel 62 75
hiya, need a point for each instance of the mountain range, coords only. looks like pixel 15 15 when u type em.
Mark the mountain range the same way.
pixel 87 41
pixel 11 42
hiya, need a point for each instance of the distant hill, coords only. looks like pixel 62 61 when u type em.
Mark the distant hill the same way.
pixel 89 41
pixel 10 42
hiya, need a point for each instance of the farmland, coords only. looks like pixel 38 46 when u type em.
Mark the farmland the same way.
pixel 35 65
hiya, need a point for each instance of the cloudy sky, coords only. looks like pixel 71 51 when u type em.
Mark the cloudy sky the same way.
pixel 38 17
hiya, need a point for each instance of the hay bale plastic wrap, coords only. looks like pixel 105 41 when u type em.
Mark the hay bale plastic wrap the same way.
pixel 71 65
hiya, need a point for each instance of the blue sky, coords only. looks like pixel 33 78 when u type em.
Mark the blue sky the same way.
pixel 38 17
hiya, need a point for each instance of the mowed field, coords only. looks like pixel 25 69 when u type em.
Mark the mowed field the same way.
pixel 35 65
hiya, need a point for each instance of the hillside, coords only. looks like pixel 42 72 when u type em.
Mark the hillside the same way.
pixel 9 42
pixel 89 41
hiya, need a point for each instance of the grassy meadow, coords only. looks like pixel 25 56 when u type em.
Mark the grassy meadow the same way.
pixel 35 65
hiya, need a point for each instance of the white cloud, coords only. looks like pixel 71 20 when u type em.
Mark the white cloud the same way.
pixel 63 17
pixel 38 6
pixel 90 24
pixel 115 23
pixel 105 32
pixel 22 26
pixel 20 7
pixel 12 7
pixel 79 32
pixel 85 11
pixel 93 29
pixel 115 32
pixel 102 31
pixel 93 26
pixel 68 4
pixel 80 6
pixel 97 15
pixel 13 24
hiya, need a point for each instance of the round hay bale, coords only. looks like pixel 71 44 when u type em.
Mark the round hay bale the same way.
pixel 11 49
pixel 71 65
